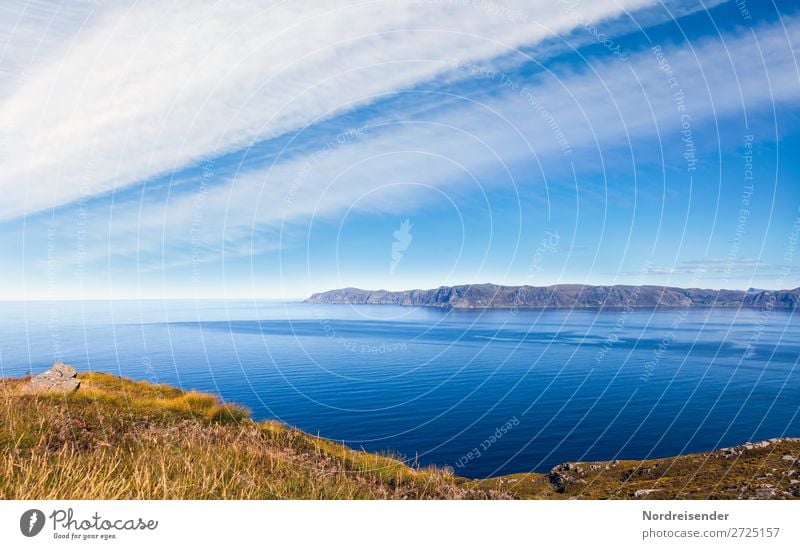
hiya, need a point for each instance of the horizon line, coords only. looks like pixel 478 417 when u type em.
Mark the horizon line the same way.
pixel 287 298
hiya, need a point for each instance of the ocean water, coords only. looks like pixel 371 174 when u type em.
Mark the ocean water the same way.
pixel 485 392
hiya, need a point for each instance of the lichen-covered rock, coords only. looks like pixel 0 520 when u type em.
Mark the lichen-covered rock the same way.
pixel 60 378
pixel 764 491
pixel 565 476
pixel 646 492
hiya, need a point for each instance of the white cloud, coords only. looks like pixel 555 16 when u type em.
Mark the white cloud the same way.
pixel 715 266
pixel 146 88
pixel 457 149
pixel 603 106
pixel 33 31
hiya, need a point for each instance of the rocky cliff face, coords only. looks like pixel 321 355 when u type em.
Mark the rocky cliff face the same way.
pixel 564 296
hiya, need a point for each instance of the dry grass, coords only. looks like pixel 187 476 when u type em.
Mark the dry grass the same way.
pixel 121 439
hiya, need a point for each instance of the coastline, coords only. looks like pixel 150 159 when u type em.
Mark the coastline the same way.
pixel 565 296
pixel 141 421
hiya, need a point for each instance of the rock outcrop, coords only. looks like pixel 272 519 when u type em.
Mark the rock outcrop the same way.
pixel 754 470
pixel 60 378
pixel 749 447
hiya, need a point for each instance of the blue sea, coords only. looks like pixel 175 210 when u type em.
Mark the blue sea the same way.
pixel 486 392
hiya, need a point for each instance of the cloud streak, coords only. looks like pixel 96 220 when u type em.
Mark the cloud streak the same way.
pixel 597 109
pixel 146 89
pixel 458 144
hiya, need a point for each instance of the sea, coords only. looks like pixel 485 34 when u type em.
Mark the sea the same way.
pixel 486 392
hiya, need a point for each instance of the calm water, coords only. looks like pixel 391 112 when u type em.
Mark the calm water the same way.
pixel 487 392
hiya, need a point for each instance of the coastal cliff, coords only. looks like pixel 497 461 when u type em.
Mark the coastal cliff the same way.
pixel 562 296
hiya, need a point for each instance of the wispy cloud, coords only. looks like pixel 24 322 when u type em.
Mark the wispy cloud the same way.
pixel 35 32
pixel 715 266
pixel 599 108
pixel 148 88
pixel 460 144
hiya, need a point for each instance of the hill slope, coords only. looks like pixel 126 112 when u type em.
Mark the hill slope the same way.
pixel 563 296
pixel 118 438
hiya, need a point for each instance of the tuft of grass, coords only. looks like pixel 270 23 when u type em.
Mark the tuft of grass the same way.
pixel 227 413
pixel 194 403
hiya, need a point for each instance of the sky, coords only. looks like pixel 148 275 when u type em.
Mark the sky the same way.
pixel 257 149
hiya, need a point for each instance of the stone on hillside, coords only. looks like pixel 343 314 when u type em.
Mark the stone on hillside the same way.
pixel 764 491
pixel 61 378
pixel 646 492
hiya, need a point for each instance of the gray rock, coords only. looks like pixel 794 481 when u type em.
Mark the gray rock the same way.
pixel 765 491
pixel 646 492
pixel 562 477
pixel 60 378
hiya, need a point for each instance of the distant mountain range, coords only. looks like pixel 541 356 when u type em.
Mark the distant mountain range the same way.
pixel 563 296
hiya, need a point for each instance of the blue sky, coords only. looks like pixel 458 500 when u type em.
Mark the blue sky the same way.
pixel 264 149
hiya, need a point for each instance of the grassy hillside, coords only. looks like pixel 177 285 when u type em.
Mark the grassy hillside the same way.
pixel 117 438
